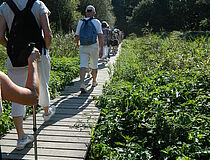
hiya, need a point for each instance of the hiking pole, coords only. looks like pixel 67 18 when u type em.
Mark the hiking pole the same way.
pixel 35 129
pixel 0 153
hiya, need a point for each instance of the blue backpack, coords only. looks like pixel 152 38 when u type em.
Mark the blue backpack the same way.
pixel 88 33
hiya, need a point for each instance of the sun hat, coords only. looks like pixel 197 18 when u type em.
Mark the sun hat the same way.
pixel 104 24
pixel 90 7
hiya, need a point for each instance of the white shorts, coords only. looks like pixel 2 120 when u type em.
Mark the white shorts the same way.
pixel 19 76
pixel 91 52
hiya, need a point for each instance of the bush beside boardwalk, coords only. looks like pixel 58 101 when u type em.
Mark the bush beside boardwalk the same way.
pixel 157 104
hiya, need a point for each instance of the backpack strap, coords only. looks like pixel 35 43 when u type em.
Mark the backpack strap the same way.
pixel 13 6
pixel 28 7
pixel 29 4
pixel 86 21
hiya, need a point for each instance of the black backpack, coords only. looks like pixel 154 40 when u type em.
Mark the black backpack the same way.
pixel 24 32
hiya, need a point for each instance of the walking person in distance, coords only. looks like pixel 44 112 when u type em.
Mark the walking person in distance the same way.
pixel 89 36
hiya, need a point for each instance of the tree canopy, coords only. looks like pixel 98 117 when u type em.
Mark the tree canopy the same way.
pixel 64 14
pixel 133 15
pixel 170 15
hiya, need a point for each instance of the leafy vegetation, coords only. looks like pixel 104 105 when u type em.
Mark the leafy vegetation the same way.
pixel 64 14
pixel 157 104
pixel 168 15
pixel 3 59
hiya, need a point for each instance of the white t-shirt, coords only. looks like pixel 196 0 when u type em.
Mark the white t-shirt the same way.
pixel 38 8
pixel 95 22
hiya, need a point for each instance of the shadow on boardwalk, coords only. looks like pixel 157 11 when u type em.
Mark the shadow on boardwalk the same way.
pixel 63 111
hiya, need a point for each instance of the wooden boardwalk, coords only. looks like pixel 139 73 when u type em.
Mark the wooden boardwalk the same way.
pixel 68 133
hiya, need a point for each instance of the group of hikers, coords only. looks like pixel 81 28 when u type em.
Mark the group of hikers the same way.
pixel 111 40
pixel 95 40
pixel 28 62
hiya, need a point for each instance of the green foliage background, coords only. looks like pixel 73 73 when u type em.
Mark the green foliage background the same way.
pixel 157 103
pixel 133 15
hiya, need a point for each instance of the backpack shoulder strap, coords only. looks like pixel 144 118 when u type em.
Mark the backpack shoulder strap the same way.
pixel 91 18
pixel 85 21
pixel 29 4
pixel 13 6
pixel 88 19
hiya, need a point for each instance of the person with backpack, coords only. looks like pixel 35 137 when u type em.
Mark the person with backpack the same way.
pixel 87 32
pixel 28 25
pixel 106 40
pixel 115 41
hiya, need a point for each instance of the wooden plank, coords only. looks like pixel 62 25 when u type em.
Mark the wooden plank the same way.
pixel 64 117
pixel 47 152
pixel 43 144
pixel 40 157
pixel 50 138
pixel 60 123
pixel 57 133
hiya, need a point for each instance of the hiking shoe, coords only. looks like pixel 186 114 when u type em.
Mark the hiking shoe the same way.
pixel 94 84
pixel 51 112
pixel 83 88
pixel 21 143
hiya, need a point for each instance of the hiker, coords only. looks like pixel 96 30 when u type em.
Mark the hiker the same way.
pixel 86 35
pixel 115 40
pixel 109 41
pixel 106 40
pixel 9 11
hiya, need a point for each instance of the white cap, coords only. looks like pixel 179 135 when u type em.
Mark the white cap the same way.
pixel 90 7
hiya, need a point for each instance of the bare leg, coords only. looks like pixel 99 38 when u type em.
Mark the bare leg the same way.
pixel 94 74
pixel 46 110
pixel 82 72
pixel 18 121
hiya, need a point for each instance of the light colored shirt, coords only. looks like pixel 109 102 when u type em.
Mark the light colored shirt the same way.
pixel 38 8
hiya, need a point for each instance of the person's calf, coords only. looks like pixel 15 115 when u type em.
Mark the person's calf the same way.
pixel 82 73
pixel 18 122
pixel 94 74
